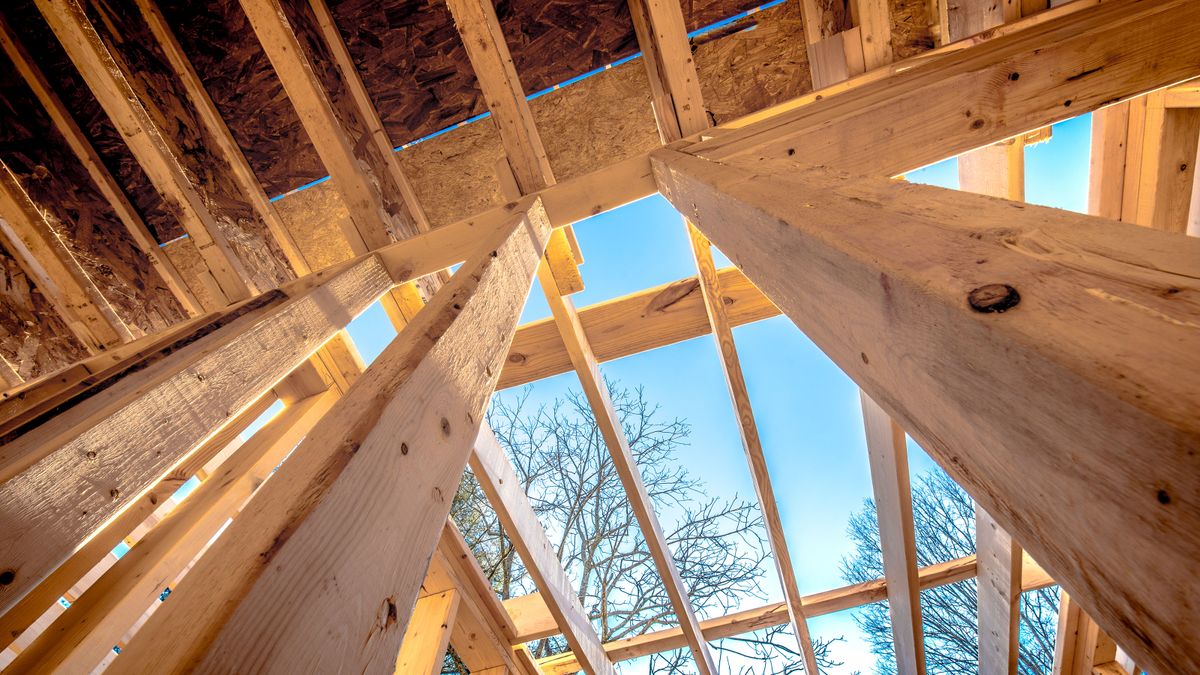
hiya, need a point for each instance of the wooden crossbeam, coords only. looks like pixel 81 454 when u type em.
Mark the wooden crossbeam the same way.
pixel 775 614
pixel 99 618
pixel 504 490
pixel 29 234
pixel 88 462
pixel 332 516
pixel 887 451
pixel 99 173
pixel 69 21
pixel 849 281
pixel 484 42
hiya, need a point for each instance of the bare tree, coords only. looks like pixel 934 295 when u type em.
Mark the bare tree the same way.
pixel 944 519
pixel 566 470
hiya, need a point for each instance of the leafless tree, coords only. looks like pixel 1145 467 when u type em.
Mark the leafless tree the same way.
pixel 567 471
pixel 944 520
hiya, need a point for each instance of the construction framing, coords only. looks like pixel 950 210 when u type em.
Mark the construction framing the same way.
pixel 1046 359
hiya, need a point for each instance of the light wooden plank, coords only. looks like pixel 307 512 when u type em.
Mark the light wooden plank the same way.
pixel 634 323
pixel 874 22
pixel 1106 170
pixel 667 54
pixel 28 232
pixel 1127 435
pixel 65 478
pixel 330 521
pixel 1168 148
pixel 24 613
pixel 776 614
pixel 962 99
pixel 1081 646
pixel 504 490
pixel 98 619
pixel 888 453
pixel 486 48
pixel 99 173
pixel 225 145
pixel 999 596
pixel 69 21
pixel 531 617
pixel 428 635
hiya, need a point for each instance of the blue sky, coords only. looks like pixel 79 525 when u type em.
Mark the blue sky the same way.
pixel 806 408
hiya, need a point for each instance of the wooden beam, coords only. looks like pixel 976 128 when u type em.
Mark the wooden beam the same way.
pixel 1106 174
pixel 887 450
pixel 428 635
pixel 89 462
pixel 98 619
pixel 961 99
pixel 1080 646
pixel 30 608
pixel 30 234
pixel 498 80
pixel 1162 176
pixel 415 413
pixel 674 84
pixel 100 175
pixel 638 322
pixel 69 21
pixel 1023 363
pixel 999 596
pixel 776 614
pixel 504 490
pixel 225 146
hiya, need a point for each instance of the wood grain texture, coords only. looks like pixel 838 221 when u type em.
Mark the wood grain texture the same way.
pixel 1124 445
pixel 507 495
pixel 67 477
pixel 428 635
pixel 412 416
pixel 775 614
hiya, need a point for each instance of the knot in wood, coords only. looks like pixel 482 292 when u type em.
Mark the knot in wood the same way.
pixel 993 298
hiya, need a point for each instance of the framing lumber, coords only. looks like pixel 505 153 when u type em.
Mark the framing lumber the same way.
pixel 501 86
pixel 1142 47
pixel 87 463
pixel 504 490
pixel 226 147
pixel 638 322
pixel 776 614
pixel 428 635
pixel 24 613
pixel 1080 646
pixel 98 618
pixel 887 451
pixel 330 522
pixel 1030 476
pixel 679 111
pixel 998 171
pixel 66 125
pixel 29 234
pixel 146 140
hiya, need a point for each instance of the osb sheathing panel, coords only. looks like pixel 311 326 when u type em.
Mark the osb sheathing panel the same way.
pixel 316 217
pixel 454 175
pixel 911 27
pixel 164 96
pixel 49 56
pixel 597 121
pixel 762 64
pixel 55 179
pixel 32 337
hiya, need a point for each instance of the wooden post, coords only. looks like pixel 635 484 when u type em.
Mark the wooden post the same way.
pixel 331 521
pixel 428 635
pixel 979 393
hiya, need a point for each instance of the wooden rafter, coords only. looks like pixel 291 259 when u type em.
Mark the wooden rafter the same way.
pixel 428 635
pixel 501 86
pixel 1028 477
pixel 679 111
pixel 217 612
pixel 146 140
pixel 504 490
pixel 100 175
pixel 887 451
pixel 226 147
pixel 29 233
